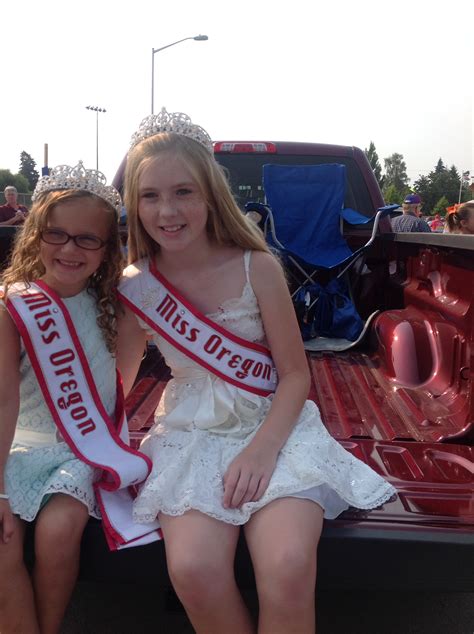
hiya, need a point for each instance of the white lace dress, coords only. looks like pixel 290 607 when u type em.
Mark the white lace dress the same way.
pixel 40 462
pixel 202 423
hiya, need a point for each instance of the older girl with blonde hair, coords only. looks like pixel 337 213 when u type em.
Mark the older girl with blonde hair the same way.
pixel 235 442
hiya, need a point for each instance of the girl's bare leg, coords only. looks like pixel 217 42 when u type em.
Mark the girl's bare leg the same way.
pixel 17 604
pixel 283 538
pixel 58 534
pixel 200 555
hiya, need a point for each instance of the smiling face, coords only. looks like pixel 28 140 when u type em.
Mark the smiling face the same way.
pixel 171 206
pixel 67 266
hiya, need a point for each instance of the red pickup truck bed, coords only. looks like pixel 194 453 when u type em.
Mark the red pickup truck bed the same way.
pixel 403 404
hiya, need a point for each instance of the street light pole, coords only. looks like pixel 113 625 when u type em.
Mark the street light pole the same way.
pixel 198 38
pixel 96 109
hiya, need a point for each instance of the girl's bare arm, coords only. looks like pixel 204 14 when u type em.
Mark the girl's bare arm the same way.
pixel 249 474
pixel 130 347
pixel 9 407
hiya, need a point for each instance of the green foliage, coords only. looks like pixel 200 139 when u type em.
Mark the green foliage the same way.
pixel 17 180
pixel 28 170
pixel 395 173
pixel 373 159
pixel 440 183
pixel 439 189
pixel 392 195
pixel 440 207
pixel 423 187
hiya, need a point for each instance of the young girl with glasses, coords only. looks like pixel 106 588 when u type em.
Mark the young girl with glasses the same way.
pixel 66 262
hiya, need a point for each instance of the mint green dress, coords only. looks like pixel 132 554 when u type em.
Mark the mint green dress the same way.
pixel 40 462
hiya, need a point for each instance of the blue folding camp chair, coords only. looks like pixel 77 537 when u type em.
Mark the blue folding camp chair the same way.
pixel 302 220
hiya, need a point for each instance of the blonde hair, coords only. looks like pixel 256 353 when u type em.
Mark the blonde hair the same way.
pixel 26 265
pixel 226 224
pixel 455 218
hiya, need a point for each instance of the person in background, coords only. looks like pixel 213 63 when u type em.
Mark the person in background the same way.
pixel 410 219
pixel 11 213
pixel 437 223
pixel 460 218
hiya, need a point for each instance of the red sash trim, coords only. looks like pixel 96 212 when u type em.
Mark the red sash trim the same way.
pixel 85 367
pixel 258 347
pixel 119 533
pixel 239 341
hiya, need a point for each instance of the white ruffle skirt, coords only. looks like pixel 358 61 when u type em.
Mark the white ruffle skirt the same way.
pixel 189 466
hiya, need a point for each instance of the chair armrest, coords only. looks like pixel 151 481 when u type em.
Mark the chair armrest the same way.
pixel 387 209
pixel 354 217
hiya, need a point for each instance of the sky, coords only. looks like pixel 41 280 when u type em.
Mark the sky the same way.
pixel 400 74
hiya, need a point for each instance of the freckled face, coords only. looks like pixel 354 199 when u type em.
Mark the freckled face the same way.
pixel 68 267
pixel 170 206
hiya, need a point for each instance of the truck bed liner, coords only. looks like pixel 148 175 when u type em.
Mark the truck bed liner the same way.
pixel 356 399
pixel 377 424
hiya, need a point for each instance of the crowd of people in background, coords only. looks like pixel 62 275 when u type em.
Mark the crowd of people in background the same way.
pixel 459 218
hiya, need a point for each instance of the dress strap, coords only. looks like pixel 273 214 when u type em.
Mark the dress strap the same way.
pixel 247 256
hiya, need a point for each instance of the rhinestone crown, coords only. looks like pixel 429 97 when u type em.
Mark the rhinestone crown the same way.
pixel 78 177
pixel 176 122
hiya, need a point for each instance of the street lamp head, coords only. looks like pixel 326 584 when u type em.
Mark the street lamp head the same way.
pixel 96 109
pixel 198 38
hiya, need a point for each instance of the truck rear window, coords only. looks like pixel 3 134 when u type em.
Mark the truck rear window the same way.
pixel 245 176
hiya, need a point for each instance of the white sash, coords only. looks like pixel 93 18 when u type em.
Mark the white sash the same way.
pixel 243 363
pixel 71 395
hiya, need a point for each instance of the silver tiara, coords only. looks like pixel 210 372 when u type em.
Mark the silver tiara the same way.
pixel 78 177
pixel 176 122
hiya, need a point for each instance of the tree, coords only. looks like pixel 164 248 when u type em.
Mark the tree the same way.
pixel 392 195
pixel 440 207
pixel 373 159
pixel 28 169
pixel 422 187
pixel 396 172
pixel 440 182
pixel 17 180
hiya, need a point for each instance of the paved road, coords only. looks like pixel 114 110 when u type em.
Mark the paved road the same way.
pixel 124 609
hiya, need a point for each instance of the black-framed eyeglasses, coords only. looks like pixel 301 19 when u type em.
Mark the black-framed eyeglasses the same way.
pixel 83 241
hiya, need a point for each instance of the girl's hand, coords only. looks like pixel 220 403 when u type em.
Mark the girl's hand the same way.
pixel 6 521
pixel 248 475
